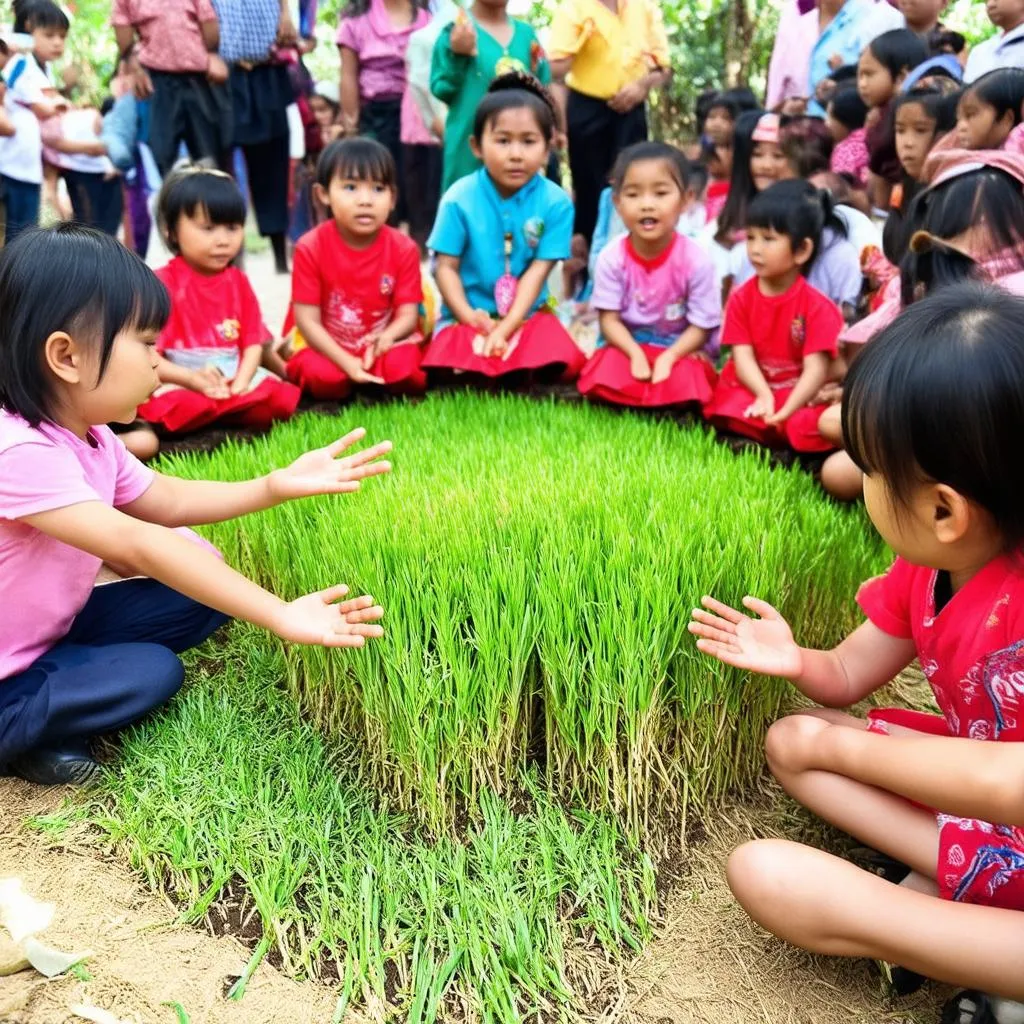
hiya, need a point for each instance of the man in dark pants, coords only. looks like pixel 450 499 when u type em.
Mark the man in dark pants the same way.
pixel 177 68
pixel 261 91
pixel 118 662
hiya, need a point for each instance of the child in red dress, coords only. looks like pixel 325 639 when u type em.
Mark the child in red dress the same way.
pixel 212 345
pixel 356 283
pixel 933 414
pixel 782 331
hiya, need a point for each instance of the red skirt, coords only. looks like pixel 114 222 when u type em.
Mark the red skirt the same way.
pixel 607 377
pixel 541 343
pixel 979 862
pixel 319 378
pixel 800 432
pixel 180 411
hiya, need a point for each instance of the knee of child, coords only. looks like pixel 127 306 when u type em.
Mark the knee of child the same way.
pixel 166 675
pixel 776 742
pixel 759 875
pixel 841 478
pixel 830 424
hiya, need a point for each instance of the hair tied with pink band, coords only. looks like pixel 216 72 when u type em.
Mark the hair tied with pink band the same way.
pixel 767 129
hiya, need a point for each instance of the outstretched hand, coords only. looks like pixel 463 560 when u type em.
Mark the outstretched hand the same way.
pixel 323 619
pixel 321 471
pixel 763 645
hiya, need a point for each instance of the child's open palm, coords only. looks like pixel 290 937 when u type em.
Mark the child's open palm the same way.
pixel 324 619
pixel 321 471
pixel 763 645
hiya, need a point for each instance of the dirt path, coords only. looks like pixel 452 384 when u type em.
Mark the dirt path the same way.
pixel 709 964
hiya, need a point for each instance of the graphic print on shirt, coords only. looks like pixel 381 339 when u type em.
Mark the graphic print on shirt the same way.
pixel 993 864
pixel 229 330
pixel 533 231
pixel 349 324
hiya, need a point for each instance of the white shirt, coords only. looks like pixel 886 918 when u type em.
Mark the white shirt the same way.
pixel 1004 50
pixel 80 126
pixel 21 154
pixel 861 230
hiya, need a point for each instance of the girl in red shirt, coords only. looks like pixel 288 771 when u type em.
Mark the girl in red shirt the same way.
pixel 212 346
pixel 933 414
pixel 783 332
pixel 356 283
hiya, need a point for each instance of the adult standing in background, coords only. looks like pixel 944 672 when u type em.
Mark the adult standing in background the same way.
pixel 177 68
pixel 252 34
pixel 610 54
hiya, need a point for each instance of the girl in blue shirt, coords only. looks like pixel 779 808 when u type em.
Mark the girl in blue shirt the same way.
pixel 498 234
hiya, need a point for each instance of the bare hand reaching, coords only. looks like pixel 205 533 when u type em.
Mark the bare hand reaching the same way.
pixel 764 645
pixel 321 471
pixel 324 619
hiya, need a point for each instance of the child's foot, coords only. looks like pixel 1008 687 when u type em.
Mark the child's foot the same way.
pixel 57 767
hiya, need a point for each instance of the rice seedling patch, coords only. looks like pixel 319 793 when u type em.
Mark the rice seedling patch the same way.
pixel 463 819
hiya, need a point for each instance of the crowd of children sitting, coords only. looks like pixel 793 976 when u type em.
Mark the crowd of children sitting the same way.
pixel 844 285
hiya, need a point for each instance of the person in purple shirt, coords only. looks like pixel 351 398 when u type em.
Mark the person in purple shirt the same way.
pixel 655 290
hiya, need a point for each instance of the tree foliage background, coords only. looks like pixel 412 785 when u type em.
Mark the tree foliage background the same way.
pixel 714 43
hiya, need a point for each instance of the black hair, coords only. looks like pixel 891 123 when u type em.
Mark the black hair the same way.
pixel 705 101
pixel 360 159
pixel 845 75
pixel 944 40
pixel 103 290
pixel 696 176
pixel 741 185
pixel 938 105
pixel 1002 89
pixel 936 396
pixel 641 152
pixel 742 98
pixel 723 101
pixel 807 143
pixel 848 108
pixel 20 9
pixel 198 189
pixel 898 50
pixel 986 196
pixel 355 8
pixel 799 211
pixel 513 91
pixel 46 14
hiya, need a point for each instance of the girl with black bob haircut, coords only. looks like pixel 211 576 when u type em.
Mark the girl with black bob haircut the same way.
pixel 81 315
pixel 944 243
pixel 798 210
pixel 937 398
pixel 357 159
pixel 733 217
pixel 198 192
pixel 934 414
pixel 514 91
pixel 990 108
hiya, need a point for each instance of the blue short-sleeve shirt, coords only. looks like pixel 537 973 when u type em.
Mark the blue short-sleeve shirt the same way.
pixel 474 219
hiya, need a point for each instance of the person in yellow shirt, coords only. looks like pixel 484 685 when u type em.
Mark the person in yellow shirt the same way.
pixel 610 54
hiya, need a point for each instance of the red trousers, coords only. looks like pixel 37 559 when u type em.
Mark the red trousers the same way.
pixel 800 432
pixel 319 378
pixel 608 378
pixel 180 411
pixel 541 342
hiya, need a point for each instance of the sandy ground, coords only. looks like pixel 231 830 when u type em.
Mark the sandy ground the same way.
pixel 708 965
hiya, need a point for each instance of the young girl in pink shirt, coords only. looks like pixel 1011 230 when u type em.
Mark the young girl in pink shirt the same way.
pixel 655 291
pixel 78 659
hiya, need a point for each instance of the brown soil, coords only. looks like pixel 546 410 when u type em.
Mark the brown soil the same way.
pixel 708 964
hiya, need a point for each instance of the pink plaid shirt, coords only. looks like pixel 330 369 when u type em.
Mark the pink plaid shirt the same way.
pixel 171 39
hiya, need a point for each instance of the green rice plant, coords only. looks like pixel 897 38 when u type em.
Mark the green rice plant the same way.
pixel 538 563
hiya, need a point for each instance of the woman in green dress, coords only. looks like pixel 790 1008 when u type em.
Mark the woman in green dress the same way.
pixel 468 55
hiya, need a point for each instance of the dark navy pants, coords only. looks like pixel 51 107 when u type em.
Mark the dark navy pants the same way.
pixel 118 662
pixel 21 199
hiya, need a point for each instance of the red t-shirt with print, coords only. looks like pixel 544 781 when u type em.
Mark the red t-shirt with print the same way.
pixel 357 290
pixel 210 312
pixel 782 329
